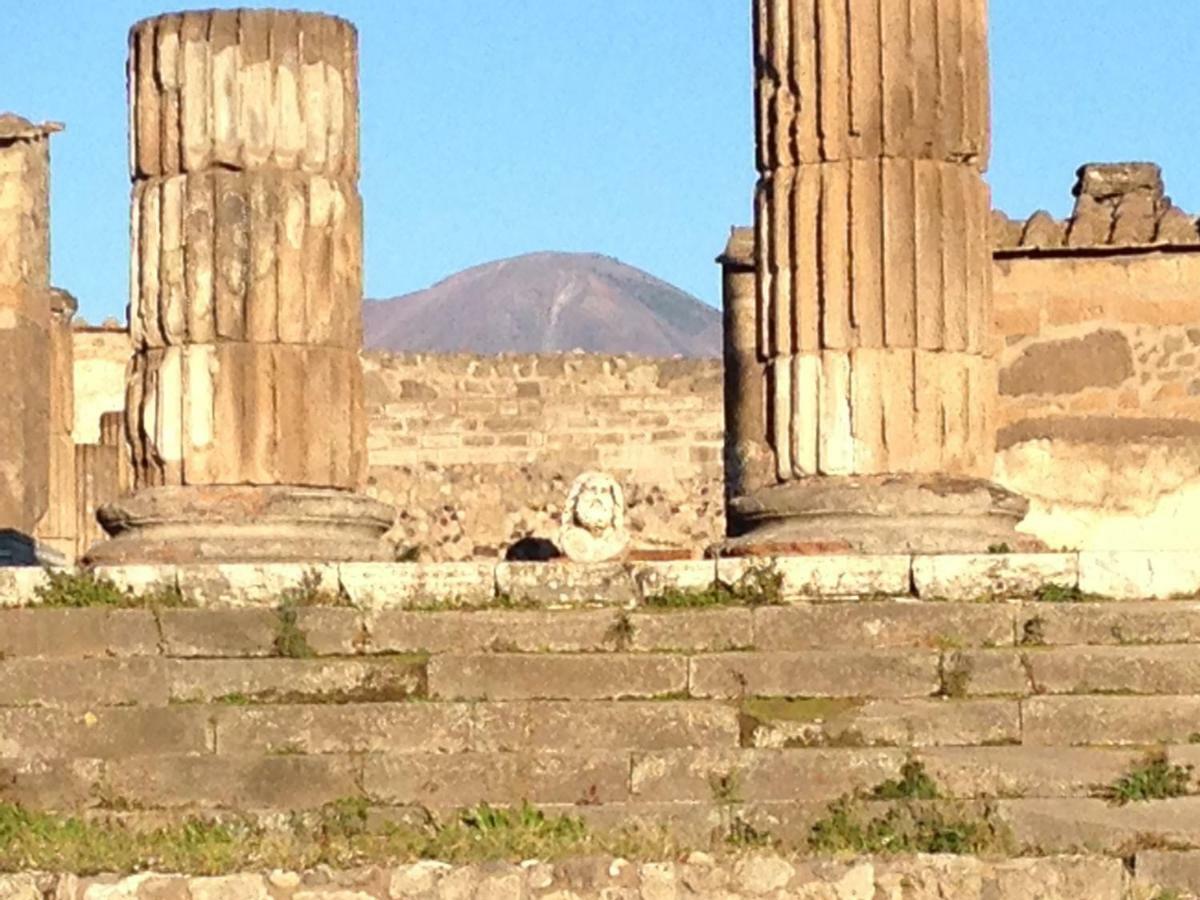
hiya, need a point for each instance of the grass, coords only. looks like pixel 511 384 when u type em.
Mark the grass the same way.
pixel 954 673
pixel 1060 593
pixel 1153 779
pixel 290 640
pixel 85 590
pixel 342 835
pixel 914 820
pixel 759 585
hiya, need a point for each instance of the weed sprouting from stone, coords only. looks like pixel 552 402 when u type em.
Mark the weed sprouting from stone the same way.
pixel 726 788
pixel 913 784
pixel 290 640
pixel 913 820
pixel 760 585
pixel 954 675
pixel 1061 593
pixel 999 548
pixel 1033 632
pixel 312 592
pixel 1154 779
pixel 81 590
pixel 622 631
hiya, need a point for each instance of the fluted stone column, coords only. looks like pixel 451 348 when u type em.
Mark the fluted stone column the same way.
pixel 244 405
pixel 874 276
pixel 25 334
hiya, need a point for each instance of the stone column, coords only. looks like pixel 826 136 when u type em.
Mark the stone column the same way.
pixel 57 530
pixel 25 325
pixel 749 461
pixel 245 394
pixel 874 276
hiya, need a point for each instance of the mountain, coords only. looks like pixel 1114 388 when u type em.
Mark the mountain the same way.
pixel 545 303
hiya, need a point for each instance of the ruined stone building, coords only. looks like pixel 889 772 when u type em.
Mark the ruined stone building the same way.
pixel 1053 361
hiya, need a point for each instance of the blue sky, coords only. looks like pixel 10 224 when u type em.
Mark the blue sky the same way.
pixel 498 127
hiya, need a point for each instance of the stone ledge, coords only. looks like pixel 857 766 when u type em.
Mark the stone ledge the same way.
pixel 1118 575
pixel 698 874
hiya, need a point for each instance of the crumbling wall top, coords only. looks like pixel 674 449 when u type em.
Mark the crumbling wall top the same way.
pixel 15 128
pixel 1117 206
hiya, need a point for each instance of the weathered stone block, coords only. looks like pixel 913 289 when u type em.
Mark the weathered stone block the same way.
pixel 1130 670
pixel 827 576
pixel 1132 575
pixel 1096 826
pixel 869 673
pixel 1165 870
pixel 468 779
pixel 624 725
pixel 243 782
pixel 402 585
pixel 245 584
pixel 83 683
pixel 19 584
pixel 332 631
pixel 882 625
pixel 1108 720
pixel 967 577
pixel 295 680
pixel 653 578
pixel 979 673
pixel 978 772
pixel 566 584
pixel 1174 622
pixel 139 580
pixel 55 784
pixel 353 728
pixel 553 677
pixel 103 733
pixel 219 632
pixel 889 723
pixel 79 633
pixel 721 775
pixel 694 631
pixel 563 631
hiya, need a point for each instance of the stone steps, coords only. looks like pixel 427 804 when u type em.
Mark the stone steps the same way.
pixel 611 709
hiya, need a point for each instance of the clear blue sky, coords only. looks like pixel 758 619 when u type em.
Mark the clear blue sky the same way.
pixel 497 127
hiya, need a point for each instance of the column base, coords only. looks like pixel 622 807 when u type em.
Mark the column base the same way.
pixel 881 514
pixel 232 524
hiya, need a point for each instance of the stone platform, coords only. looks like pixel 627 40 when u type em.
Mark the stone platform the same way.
pixel 681 695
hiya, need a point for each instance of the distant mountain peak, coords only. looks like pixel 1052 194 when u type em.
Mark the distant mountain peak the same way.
pixel 547 302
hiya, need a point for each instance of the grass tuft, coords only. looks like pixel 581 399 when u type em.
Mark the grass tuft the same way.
pixel 760 585
pixel 914 820
pixel 1153 779
pixel 84 590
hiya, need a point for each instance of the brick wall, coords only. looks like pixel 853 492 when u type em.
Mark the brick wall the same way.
pixel 479 452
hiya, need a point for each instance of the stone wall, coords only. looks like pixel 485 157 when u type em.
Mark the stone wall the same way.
pixel 479 452
pixel 699 875
pixel 1098 335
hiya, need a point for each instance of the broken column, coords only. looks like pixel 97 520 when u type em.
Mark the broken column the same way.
pixel 244 404
pixel 874 267
pixel 25 329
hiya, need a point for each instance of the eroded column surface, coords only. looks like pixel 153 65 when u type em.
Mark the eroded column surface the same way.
pixel 873 258
pixel 25 333
pixel 245 392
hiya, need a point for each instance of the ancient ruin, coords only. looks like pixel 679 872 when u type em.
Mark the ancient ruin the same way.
pixel 246 693
pixel 244 406
pixel 33 328
pixel 873 289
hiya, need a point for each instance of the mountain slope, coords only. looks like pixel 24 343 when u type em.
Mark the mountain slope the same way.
pixel 543 303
